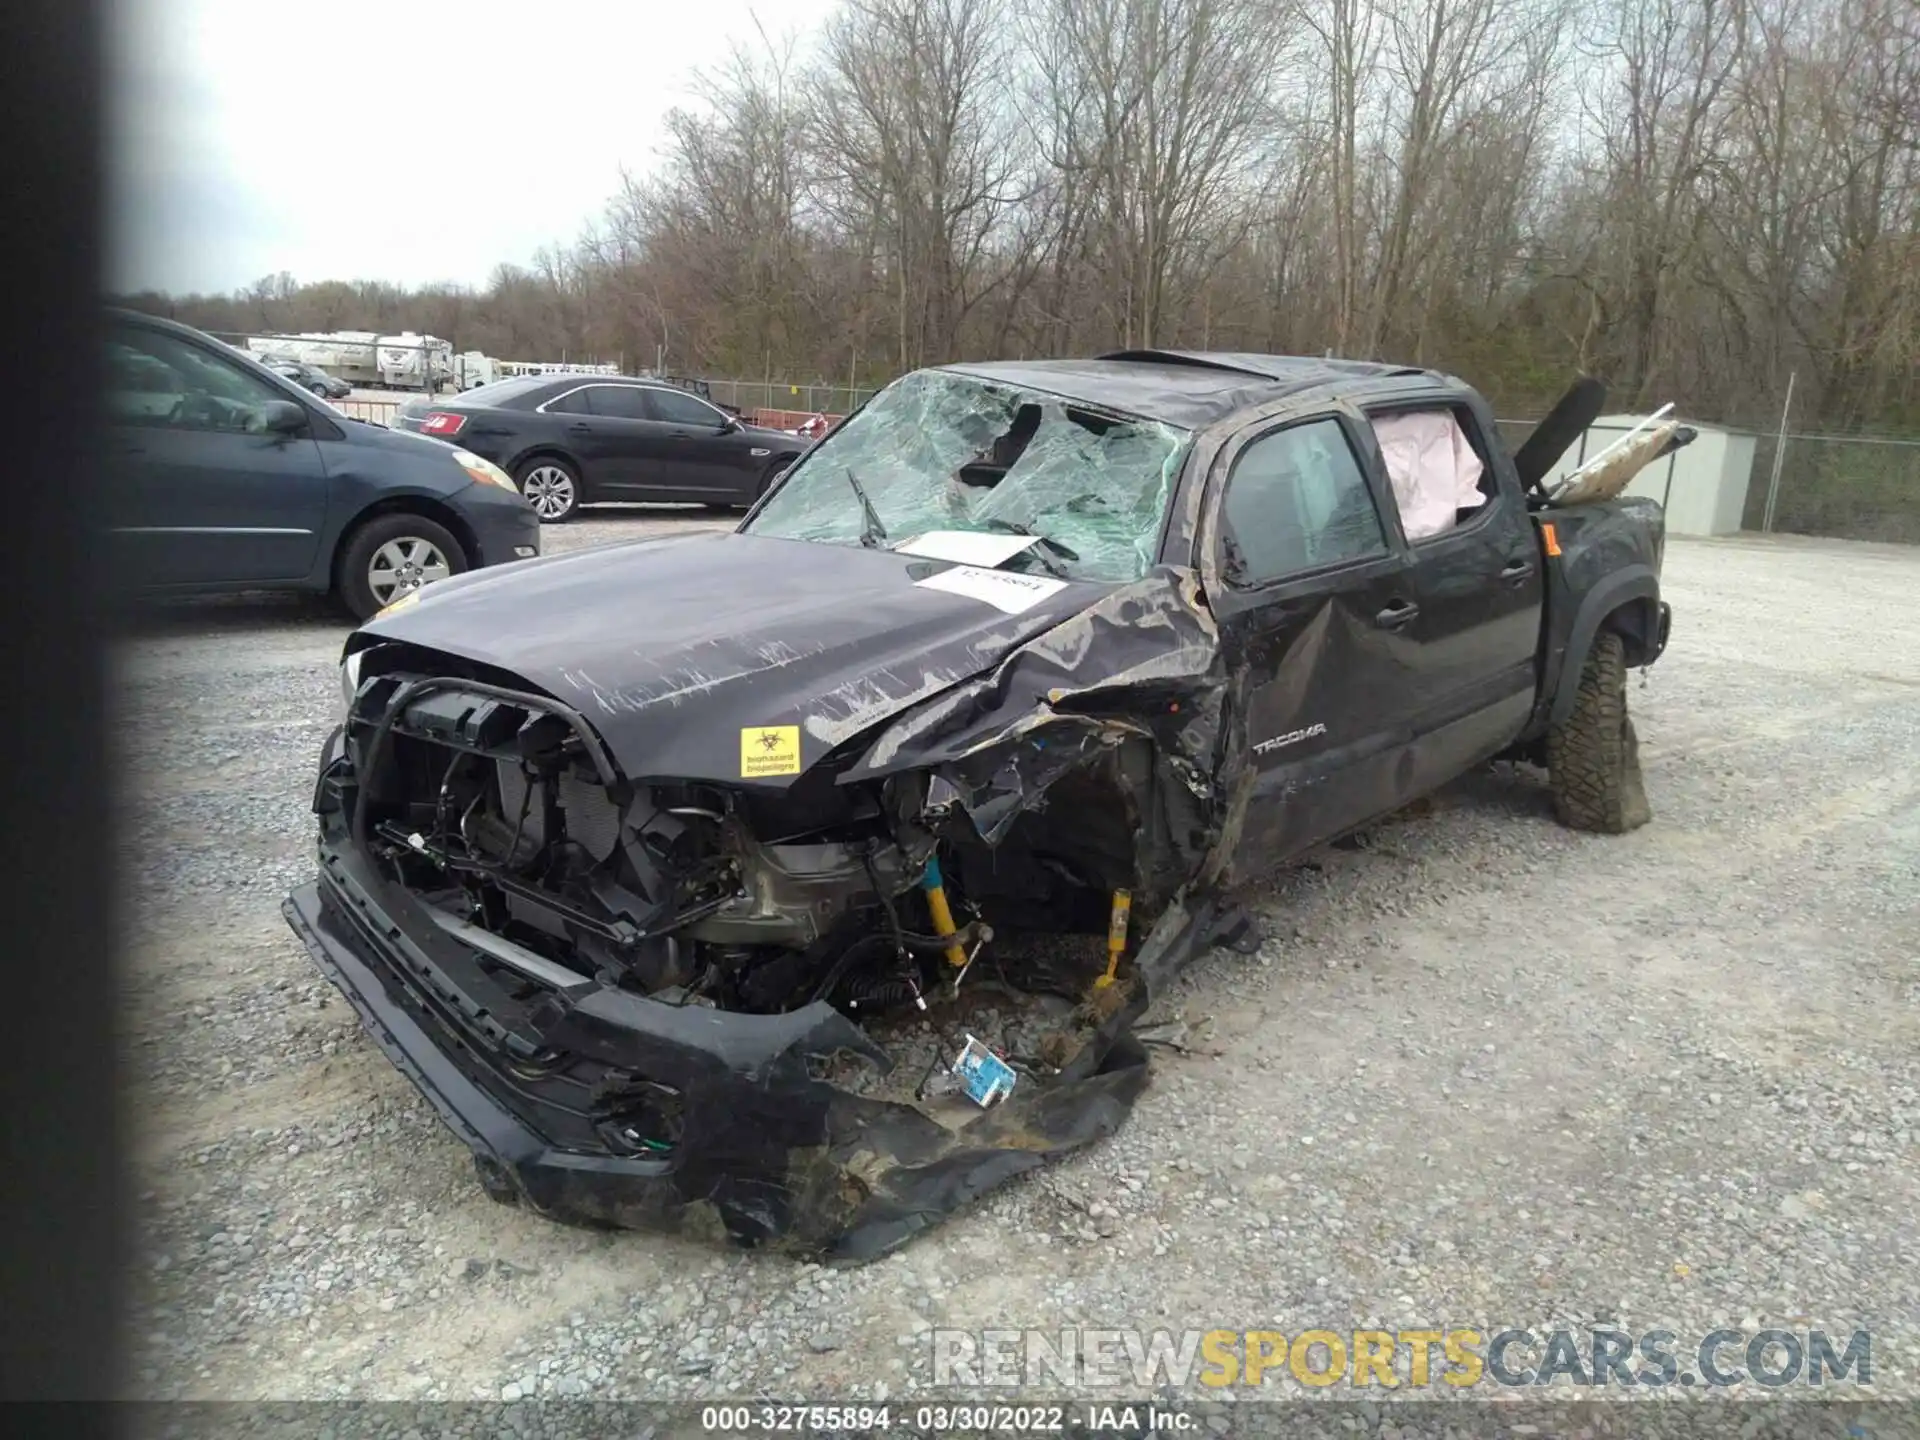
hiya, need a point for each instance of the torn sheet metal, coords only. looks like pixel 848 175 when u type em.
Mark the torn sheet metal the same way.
pixel 1128 693
pixel 774 1153
pixel 1144 660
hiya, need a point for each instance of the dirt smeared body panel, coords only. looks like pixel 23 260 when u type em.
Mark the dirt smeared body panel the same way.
pixel 735 929
pixel 1143 660
pixel 1608 568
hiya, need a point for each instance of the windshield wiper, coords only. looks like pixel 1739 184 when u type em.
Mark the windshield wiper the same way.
pixel 1043 543
pixel 874 534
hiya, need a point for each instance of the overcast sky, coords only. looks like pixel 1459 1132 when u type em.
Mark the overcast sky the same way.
pixel 389 139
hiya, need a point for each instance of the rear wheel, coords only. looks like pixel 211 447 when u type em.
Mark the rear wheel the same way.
pixel 392 555
pixel 551 487
pixel 1593 756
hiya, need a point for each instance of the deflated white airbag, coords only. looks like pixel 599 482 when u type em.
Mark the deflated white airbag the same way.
pixel 1434 471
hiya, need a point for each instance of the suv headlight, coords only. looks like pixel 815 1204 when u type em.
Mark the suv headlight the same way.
pixel 485 471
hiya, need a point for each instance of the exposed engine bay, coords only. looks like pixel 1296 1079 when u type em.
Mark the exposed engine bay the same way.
pixel 491 809
pixel 632 969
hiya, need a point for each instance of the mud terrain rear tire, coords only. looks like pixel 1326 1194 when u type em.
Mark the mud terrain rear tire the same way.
pixel 1593 756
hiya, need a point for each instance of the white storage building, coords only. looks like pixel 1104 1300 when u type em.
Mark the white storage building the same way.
pixel 1703 487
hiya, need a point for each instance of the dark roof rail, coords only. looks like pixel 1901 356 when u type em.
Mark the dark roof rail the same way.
pixel 1180 357
pixel 1267 367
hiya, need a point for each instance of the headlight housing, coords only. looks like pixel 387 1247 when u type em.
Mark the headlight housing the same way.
pixel 485 471
pixel 350 677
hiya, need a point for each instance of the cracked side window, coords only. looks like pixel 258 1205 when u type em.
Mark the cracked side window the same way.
pixel 940 451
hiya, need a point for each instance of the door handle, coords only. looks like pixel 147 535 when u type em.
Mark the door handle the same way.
pixel 1396 615
pixel 1516 571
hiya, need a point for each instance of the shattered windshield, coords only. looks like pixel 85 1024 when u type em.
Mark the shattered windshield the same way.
pixel 938 451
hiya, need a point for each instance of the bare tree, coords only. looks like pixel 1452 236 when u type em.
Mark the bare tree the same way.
pixel 914 151
pixel 1690 197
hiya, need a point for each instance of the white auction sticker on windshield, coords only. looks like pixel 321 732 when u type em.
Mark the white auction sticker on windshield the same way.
pixel 969 547
pixel 1002 589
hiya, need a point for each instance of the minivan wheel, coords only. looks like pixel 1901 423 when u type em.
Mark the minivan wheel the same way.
pixel 551 488
pixel 392 555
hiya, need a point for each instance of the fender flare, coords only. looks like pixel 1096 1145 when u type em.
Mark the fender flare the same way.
pixel 1635 587
pixel 539 448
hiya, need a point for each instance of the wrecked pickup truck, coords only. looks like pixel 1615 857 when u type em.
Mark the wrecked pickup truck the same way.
pixel 638 860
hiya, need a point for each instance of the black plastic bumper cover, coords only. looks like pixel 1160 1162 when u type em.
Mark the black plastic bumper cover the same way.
pixel 771 1155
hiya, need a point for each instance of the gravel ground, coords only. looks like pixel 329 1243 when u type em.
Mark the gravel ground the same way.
pixel 1483 1072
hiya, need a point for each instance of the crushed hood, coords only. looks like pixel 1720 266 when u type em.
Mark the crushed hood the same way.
pixel 690 653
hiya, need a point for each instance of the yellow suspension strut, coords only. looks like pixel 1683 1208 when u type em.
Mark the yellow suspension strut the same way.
pixel 942 914
pixel 1117 919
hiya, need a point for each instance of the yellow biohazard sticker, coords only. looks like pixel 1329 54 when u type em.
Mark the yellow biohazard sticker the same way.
pixel 767 750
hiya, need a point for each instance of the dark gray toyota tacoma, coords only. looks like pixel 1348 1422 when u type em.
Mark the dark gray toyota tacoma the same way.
pixel 633 859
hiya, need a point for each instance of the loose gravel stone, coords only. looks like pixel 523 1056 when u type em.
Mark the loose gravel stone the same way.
pixel 1481 1071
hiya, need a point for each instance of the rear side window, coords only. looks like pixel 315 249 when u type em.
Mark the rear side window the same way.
pixel 502 392
pixel 567 402
pixel 1439 479
pixel 619 402
pixel 1298 500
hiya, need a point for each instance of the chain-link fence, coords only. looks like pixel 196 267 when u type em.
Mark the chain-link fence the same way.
pixel 379 372
pixel 754 396
pixel 1851 487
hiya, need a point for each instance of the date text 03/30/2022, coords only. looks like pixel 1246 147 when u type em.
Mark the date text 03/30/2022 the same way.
pixel 940 1419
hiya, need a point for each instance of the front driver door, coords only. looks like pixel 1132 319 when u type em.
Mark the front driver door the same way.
pixel 1314 608
pixel 203 493
pixel 711 458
